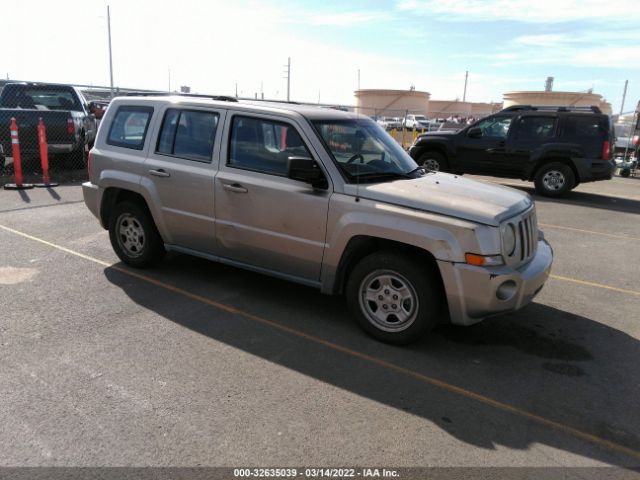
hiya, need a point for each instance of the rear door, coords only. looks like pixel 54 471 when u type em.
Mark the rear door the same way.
pixel 180 170
pixel 484 155
pixel 265 219
pixel 529 134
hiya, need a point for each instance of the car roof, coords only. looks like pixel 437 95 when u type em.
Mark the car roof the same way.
pixel 310 112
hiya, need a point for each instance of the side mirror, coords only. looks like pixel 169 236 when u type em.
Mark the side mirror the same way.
pixel 474 132
pixel 306 170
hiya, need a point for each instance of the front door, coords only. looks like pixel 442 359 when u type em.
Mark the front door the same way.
pixel 263 218
pixel 485 154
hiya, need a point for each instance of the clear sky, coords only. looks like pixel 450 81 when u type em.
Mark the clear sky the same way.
pixel 212 45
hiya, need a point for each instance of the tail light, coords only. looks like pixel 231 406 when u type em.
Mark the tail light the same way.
pixel 71 127
pixel 636 139
pixel 606 150
pixel 89 162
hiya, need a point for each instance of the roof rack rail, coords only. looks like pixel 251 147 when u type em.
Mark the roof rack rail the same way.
pixel 266 100
pixel 222 98
pixel 554 108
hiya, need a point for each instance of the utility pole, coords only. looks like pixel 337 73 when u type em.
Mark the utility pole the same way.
pixel 110 58
pixel 288 77
pixel 236 89
pixel 624 96
pixel 261 90
pixel 464 94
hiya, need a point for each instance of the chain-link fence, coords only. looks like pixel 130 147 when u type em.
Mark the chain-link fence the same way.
pixel 36 144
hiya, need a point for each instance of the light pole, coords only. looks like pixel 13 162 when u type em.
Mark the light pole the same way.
pixel 110 58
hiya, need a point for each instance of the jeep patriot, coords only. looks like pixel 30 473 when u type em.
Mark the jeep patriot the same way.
pixel 316 196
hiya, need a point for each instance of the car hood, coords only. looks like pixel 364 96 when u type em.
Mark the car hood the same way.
pixel 438 133
pixel 451 195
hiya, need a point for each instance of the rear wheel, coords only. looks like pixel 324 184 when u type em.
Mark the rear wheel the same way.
pixel 392 299
pixel 554 179
pixel 134 237
pixel 625 172
pixel 433 161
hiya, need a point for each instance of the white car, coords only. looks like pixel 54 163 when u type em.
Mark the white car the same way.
pixel 416 121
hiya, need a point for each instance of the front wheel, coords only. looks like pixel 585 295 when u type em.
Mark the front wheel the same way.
pixel 433 161
pixel 554 179
pixel 392 299
pixel 134 237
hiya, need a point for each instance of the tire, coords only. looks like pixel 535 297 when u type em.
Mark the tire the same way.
pixel 625 172
pixel 554 179
pixel 433 161
pixel 134 236
pixel 406 321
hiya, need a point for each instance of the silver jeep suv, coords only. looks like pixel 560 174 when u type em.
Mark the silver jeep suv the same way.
pixel 316 196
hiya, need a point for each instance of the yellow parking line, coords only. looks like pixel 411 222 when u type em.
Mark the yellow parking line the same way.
pixel 505 407
pixel 597 285
pixel 572 229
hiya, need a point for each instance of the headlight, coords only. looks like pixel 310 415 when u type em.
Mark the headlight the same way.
pixel 508 239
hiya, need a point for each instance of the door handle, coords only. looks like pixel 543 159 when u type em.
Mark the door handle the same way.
pixel 236 188
pixel 496 150
pixel 159 173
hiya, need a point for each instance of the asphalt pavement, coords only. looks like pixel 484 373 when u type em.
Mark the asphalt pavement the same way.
pixel 195 363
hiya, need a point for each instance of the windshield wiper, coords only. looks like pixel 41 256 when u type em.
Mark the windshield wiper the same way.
pixel 381 176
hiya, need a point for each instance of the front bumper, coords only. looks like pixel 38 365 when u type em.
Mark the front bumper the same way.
pixel 474 293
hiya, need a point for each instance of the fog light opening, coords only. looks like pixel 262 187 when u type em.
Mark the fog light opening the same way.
pixel 506 290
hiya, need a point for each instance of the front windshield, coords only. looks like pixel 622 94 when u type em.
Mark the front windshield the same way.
pixel 362 149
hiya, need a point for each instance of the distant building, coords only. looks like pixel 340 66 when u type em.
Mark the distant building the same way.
pixel 452 108
pixel 391 103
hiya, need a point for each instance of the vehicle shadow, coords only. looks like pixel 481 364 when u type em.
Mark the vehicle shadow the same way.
pixel 554 364
pixel 591 200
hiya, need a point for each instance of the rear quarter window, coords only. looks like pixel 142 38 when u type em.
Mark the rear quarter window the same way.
pixel 129 127
pixel 584 127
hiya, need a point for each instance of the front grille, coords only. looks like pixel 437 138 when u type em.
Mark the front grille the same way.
pixel 527 234
pixel 526 230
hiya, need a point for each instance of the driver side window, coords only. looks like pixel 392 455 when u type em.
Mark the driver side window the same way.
pixel 495 127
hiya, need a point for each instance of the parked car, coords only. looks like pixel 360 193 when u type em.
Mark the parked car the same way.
pixel 419 122
pixel 555 147
pixel 68 117
pixel 389 123
pixel 315 196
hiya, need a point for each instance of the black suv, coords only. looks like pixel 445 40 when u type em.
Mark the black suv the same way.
pixel 556 147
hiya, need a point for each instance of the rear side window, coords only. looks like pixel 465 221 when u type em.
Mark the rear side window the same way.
pixel 535 128
pixel 583 127
pixel 264 145
pixel 129 127
pixel 188 134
